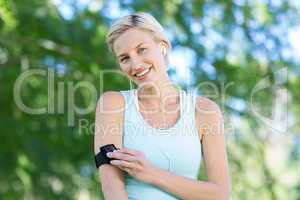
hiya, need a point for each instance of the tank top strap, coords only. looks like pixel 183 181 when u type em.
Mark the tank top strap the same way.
pixel 191 106
pixel 129 104
pixel 183 104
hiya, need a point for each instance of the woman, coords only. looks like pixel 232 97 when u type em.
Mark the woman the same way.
pixel 162 131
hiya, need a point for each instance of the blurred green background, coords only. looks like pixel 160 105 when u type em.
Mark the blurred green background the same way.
pixel 243 54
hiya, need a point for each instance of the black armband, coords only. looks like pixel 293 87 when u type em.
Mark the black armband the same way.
pixel 101 157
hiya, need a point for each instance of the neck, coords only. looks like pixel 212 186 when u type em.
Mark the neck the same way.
pixel 154 94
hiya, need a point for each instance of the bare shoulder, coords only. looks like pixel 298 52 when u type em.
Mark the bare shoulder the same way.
pixel 110 101
pixel 207 108
pixel 208 116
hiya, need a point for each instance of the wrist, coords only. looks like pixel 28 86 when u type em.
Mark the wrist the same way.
pixel 156 176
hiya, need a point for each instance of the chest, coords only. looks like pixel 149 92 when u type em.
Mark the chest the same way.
pixel 160 119
pixel 167 118
pixel 176 152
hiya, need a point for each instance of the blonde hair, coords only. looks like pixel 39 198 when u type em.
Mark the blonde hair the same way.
pixel 140 20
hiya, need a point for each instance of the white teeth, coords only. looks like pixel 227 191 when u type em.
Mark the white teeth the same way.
pixel 142 73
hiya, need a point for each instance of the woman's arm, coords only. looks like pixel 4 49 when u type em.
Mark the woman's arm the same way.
pixel 108 130
pixel 214 150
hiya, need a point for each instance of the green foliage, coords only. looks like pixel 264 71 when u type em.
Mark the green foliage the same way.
pixel 42 156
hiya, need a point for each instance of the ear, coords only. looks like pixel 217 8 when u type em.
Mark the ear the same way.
pixel 163 48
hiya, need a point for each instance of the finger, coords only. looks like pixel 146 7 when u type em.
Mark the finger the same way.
pixel 125 169
pixel 123 156
pixel 123 163
pixel 129 151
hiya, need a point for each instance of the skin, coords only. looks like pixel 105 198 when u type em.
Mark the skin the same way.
pixel 143 52
pixel 138 49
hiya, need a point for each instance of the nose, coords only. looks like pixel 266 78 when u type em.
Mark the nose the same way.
pixel 136 63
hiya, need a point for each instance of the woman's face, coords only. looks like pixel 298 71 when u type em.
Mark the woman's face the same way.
pixel 140 57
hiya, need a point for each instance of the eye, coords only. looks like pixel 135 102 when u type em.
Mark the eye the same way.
pixel 124 59
pixel 142 50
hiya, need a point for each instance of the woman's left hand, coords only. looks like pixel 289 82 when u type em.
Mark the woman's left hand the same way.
pixel 134 163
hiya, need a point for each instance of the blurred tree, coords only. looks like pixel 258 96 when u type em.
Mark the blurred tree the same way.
pixel 235 44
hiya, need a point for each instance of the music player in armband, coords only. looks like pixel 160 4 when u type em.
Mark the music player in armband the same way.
pixel 101 157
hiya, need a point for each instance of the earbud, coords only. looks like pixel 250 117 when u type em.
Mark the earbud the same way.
pixel 163 50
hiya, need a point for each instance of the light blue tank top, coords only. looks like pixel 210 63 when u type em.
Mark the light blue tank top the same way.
pixel 176 149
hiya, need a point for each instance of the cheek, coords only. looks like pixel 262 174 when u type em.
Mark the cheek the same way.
pixel 153 57
pixel 124 68
pixel 158 59
pixel 158 55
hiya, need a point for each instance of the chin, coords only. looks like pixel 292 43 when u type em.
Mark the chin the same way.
pixel 149 83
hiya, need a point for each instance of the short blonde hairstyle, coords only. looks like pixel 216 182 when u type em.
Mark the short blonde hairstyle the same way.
pixel 140 20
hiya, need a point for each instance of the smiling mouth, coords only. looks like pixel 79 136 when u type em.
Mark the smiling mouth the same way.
pixel 144 73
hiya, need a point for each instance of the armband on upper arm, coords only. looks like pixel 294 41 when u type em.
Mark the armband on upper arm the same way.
pixel 101 157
